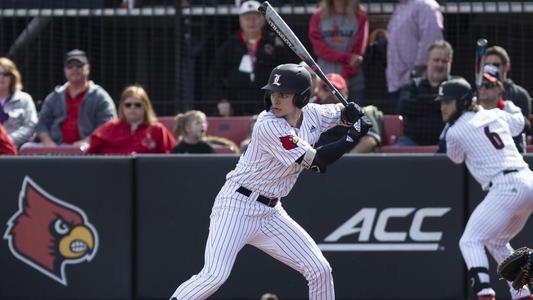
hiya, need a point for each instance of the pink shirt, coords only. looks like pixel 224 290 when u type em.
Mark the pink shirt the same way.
pixel 413 26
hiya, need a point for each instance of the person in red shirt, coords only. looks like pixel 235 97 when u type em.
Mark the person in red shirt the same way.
pixel 6 146
pixel 338 31
pixel 135 131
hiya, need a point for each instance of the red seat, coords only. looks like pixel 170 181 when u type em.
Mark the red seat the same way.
pixel 62 150
pixel 392 128
pixel 233 128
pixel 222 149
pixel 168 121
pixel 409 149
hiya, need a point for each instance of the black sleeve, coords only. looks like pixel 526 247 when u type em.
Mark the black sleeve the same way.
pixel 329 153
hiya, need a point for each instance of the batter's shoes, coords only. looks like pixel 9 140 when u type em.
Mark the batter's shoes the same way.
pixel 486 297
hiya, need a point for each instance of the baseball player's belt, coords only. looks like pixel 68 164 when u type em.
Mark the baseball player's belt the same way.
pixel 505 172
pixel 265 200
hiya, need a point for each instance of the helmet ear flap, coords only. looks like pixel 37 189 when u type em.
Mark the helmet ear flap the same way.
pixel 466 100
pixel 301 100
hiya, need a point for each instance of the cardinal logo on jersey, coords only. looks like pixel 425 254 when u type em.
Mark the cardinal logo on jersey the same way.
pixel 47 233
pixel 289 142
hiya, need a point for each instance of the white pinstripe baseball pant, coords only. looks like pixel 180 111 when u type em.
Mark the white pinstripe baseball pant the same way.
pixel 237 220
pixel 497 219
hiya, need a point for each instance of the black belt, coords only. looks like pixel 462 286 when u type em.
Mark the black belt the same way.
pixel 265 200
pixel 505 172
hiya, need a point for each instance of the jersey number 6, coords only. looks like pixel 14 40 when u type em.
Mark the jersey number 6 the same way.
pixel 494 138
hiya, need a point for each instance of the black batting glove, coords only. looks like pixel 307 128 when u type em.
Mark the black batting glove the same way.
pixel 350 114
pixel 358 130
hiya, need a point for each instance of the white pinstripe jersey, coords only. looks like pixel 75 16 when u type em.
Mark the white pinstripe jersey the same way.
pixel 483 140
pixel 269 164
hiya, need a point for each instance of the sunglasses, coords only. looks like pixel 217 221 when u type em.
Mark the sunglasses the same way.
pixel 5 74
pixel 488 85
pixel 497 65
pixel 78 65
pixel 134 104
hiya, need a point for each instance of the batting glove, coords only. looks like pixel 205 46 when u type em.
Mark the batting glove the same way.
pixel 350 114
pixel 359 129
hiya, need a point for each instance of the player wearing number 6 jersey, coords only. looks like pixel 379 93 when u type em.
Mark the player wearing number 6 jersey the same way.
pixel 483 140
pixel 247 210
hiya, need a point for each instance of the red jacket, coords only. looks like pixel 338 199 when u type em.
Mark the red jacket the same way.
pixel 115 137
pixel 6 146
pixel 322 50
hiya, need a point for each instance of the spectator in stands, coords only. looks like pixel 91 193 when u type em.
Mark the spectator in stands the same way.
pixel 17 110
pixel 491 95
pixel 6 146
pixel 338 31
pixel 246 141
pixel 74 110
pixel 190 131
pixel 243 63
pixel 497 56
pixel 269 296
pixel 413 26
pixel 422 118
pixel 135 131
pixel 367 143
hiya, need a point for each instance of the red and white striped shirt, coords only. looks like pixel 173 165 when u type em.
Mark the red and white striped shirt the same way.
pixel 269 164
pixel 484 141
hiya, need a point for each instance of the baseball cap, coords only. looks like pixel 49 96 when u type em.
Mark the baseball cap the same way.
pixel 491 73
pixel 249 6
pixel 337 80
pixel 454 89
pixel 77 55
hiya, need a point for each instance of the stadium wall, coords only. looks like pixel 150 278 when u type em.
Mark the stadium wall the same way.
pixel 375 216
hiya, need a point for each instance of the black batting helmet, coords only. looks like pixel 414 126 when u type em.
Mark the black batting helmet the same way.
pixel 457 89
pixel 289 78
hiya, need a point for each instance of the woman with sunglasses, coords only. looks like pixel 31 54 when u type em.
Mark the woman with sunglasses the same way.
pixel 135 131
pixel 17 110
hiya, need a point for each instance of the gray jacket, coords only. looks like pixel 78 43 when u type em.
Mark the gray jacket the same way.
pixel 22 117
pixel 96 108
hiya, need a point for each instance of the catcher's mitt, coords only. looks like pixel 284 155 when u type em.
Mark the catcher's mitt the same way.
pixel 518 268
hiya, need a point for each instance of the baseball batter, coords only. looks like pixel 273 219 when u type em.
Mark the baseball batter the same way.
pixel 247 210
pixel 483 139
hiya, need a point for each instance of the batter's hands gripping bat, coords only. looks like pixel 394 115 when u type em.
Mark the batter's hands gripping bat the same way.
pixel 285 33
pixel 481 49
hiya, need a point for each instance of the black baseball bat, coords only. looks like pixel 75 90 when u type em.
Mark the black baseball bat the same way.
pixel 291 40
pixel 481 49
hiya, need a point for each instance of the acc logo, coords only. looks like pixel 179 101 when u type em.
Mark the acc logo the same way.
pixel 363 225
pixel 47 233
pixel 289 142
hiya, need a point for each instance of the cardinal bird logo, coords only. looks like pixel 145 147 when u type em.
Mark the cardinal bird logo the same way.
pixel 47 233
pixel 289 142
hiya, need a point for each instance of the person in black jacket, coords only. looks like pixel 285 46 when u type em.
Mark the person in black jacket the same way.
pixel 422 117
pixel 243 63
